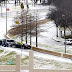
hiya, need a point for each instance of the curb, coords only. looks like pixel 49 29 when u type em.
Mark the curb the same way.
pixel 48 51
pixel 7 37
pixel 57 40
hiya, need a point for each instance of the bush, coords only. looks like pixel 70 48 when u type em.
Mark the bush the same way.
pixel 68 36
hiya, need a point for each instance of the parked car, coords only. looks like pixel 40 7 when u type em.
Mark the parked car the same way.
pixel 68 42
pixel 8 42
pixel 25 46
pixel 18 45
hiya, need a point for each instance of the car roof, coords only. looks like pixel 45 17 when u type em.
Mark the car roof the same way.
pixel 9 39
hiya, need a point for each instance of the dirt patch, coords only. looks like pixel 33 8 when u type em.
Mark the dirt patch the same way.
pixel 13 29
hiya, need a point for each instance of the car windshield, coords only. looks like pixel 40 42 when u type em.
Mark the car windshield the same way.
pixel 10 40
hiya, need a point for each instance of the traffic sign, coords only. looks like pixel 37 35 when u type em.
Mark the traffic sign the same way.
pixel 21 43
pixel 10 62
pixel 17 22
pixel 7 9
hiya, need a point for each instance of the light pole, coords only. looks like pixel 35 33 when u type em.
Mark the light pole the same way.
pixel 6 17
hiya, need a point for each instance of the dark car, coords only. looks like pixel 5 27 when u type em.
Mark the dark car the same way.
pixel 25 46
pixel 18 45
pixel 28 46
pixel 0 42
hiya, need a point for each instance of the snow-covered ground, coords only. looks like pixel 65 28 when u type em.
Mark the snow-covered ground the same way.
pixel 44 39
pixel 40 60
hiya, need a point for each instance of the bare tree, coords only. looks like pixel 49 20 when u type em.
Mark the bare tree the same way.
pixel 27 25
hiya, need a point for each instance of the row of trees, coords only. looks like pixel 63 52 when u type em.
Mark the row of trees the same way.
pixel 63 14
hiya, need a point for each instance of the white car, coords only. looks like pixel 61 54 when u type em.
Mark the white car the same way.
pixel 8 42
pixel 68 42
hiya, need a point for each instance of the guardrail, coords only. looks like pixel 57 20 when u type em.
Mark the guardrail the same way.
pixel 18 67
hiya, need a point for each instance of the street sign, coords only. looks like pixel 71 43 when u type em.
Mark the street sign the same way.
pixel 10 62
pixel 17 22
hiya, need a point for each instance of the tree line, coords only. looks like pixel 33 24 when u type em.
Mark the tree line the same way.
pixel 63 14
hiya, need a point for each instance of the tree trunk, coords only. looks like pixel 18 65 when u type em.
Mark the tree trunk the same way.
pixel 57 31
pixel 36 32
pixel 30 30
pixel 71 33
pixel 60 33
pixel 65 38
pixel 26 28
pixel 19 2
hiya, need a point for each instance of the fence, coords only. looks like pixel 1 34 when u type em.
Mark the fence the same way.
pixel 18 67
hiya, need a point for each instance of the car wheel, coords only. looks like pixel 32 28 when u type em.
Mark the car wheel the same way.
pixel 4 45
pixel 24 47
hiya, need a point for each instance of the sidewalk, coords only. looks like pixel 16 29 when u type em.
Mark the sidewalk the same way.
pixel 58 39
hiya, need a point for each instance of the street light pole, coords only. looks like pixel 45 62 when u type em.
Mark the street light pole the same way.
pixel 6 17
